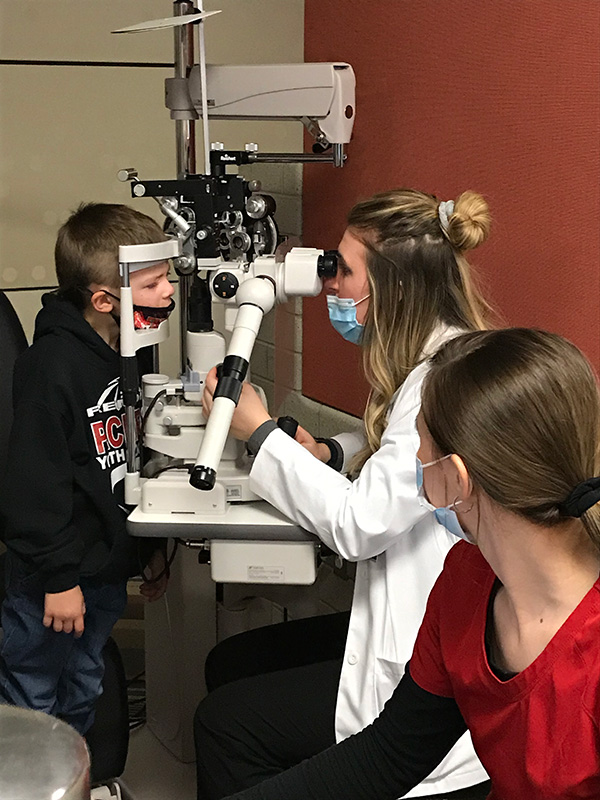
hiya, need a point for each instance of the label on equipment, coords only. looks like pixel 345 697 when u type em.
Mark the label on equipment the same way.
pixel 233 492
pixel 266 574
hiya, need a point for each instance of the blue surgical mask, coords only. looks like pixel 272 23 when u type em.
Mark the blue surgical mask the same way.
pixel 446 515
pixel 342 315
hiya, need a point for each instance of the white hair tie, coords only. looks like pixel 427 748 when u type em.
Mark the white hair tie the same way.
pixel 445 211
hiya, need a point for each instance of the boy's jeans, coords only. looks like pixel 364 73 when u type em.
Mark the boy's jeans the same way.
pixel 50 671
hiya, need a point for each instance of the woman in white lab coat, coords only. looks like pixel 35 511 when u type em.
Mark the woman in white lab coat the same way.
pixel 402 289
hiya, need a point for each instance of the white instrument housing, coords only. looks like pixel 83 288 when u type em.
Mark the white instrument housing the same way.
pixel 324 93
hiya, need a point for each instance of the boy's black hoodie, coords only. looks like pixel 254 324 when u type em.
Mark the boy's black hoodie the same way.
pixel 62 497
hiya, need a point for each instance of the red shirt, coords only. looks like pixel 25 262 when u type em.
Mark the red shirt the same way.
pixel 536 734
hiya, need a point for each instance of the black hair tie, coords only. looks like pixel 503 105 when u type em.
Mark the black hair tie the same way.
pixel 581 498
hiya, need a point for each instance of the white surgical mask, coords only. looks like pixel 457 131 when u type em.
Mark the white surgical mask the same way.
pixel 445 515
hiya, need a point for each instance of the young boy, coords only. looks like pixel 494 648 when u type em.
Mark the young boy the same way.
pixel 69 555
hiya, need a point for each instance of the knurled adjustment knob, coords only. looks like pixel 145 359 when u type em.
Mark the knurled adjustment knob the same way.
pixel 203 478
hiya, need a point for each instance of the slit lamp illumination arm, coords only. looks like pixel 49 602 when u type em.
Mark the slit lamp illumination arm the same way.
pixel 256 298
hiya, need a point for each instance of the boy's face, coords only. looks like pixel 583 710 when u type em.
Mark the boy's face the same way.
pixel 151 287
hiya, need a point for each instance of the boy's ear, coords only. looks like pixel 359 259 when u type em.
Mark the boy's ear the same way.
pixel 101 301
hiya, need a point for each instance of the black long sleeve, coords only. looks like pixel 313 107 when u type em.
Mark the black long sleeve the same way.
pixel 397 751
pixel 37 496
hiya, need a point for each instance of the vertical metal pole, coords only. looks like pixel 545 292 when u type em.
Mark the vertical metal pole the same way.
pixel 185 143
pixel 185 133
pixel 204 89
pixel 190 635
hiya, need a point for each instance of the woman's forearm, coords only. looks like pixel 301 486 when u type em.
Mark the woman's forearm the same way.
pixel 406 742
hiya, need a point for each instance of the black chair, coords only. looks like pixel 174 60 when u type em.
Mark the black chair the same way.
pixel 108 738
pixel 13 342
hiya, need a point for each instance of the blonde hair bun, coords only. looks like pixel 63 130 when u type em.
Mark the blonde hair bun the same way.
pixel 470 222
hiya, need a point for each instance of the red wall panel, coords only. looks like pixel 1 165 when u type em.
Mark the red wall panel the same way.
pixel 501 97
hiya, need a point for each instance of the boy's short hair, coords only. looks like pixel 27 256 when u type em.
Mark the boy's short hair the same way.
pixel 87 246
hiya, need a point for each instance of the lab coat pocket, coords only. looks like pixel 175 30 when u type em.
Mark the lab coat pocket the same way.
pixel 388 675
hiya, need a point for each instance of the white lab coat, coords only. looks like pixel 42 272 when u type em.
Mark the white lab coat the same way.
pixel 379 521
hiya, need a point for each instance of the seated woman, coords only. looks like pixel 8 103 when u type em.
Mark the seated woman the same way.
pixel 510 644
pixel 281 694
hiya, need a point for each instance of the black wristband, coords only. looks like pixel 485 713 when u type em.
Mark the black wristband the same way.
pixel 260 434
pixel 336 458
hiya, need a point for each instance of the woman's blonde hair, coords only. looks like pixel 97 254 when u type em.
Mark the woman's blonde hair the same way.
pixel 521 407
pixel 418 278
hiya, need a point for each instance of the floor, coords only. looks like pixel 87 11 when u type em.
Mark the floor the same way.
pixel 152 773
